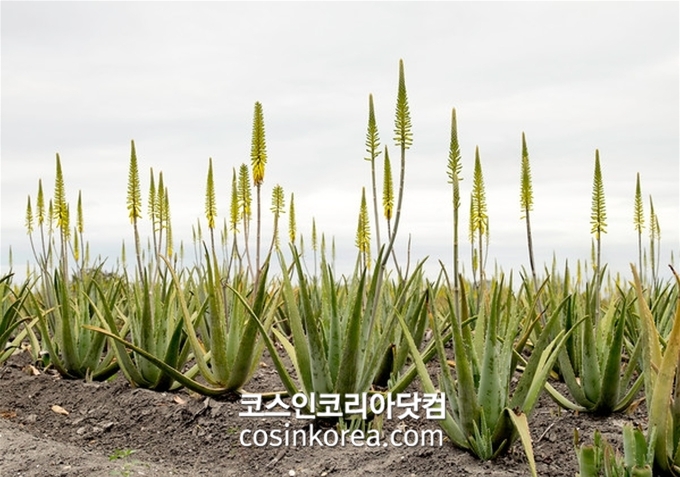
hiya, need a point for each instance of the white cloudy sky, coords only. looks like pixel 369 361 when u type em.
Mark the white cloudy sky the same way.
pixel 82 79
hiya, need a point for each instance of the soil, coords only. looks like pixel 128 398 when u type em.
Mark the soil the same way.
pixel 103 429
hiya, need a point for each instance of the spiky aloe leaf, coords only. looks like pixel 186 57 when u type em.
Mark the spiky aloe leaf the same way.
pixel 210 202
pixel 258 149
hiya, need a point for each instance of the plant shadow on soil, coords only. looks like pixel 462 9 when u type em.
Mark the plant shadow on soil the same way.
pixel 112 429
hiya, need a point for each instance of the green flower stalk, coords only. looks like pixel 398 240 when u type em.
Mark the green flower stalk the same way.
pixel 388 191
pixel 29 217
pixel 598 220
pixel 654 239
pixel 363 238
pixel 210 205
pixel 292 228
pixel 258 157
pixel 40 204
pixel 234 210
pixel 60 213
pixel 278 208
pixel 527 205
pixel 372 148
pixel 80 227
pixel 160 210
pixel 454 168
pixel 638 218
pixel 153 210
pixel 210 202
pixel 479 220
pixel 169 248
pixel 314 242
pixel 134 201
pixel 245 201
pixel 234 217
pixel 403 138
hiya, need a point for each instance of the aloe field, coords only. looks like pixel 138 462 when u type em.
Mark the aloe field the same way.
pixel 145 363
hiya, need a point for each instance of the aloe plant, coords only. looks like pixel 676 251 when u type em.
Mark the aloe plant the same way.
pixel 12 316
pixel 601 459
pixel 661 370
pixel 484 417
pixel 230 336
pixel 150 315
pixel 598 364
pixel 337 343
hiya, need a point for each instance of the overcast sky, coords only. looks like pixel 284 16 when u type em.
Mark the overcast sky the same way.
pixel 82 79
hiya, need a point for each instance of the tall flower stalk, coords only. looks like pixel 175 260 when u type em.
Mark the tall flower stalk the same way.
pixel 598 220
pixel 527 204
pixel 403 138
pixel 363 238
pixel 638 218
pixel 372 148
pixel 134 202
pixel 258 158
pixel 479 220
pixel 211 206
pixel 245 201
pixel 654 240
pixel 454 168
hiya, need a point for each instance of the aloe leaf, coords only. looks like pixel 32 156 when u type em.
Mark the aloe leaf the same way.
pixel 286 379
pixel 197 348
pixel 174 373
pixel 651 360
pixel 522 426
pixel 489 395
pixel 590 369
pixel 611 376
pixel 467 395
pixel 448 424
pixel 302 351
pixel 659 407
pixel 349 371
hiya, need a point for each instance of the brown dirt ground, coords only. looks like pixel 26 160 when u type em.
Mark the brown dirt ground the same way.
pixel 184 434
